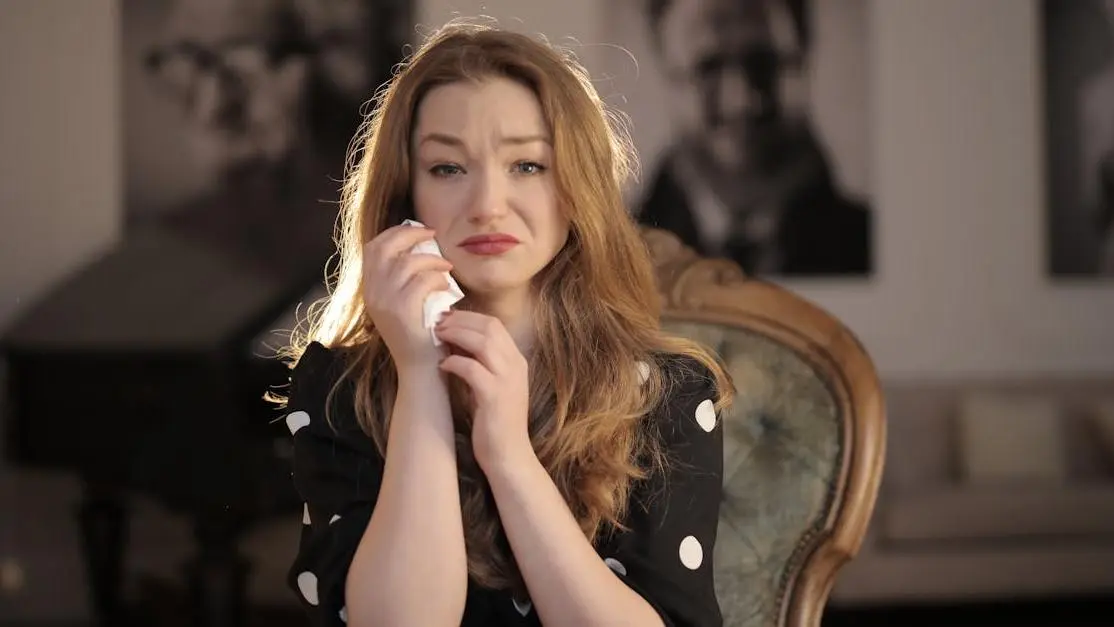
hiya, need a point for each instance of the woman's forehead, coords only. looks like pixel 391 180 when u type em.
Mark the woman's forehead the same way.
pixel 496 110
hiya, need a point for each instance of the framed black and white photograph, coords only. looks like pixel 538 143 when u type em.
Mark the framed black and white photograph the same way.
pixel 751 119
pixel 238 115
pixel 1078 38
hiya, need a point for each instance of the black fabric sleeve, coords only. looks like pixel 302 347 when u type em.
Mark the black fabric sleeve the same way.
pixel 667 554
pixel 337 472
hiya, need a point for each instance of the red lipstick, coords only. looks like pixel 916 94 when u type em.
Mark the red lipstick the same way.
pixel 489 243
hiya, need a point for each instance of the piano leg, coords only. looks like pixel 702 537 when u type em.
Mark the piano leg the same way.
pixel 218 576
pixel 103 521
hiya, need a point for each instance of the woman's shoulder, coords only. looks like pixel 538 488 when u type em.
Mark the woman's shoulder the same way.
pixel 684 375
pixel 318 368
pixel 318 361
pixel 318 384
pixel 690 396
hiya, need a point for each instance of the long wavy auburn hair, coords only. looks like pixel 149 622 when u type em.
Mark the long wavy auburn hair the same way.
pixel 597 313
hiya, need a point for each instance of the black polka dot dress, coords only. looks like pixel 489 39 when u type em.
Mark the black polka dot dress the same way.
pixel 665 556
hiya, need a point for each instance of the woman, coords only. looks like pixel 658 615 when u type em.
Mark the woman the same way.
pixel 553 457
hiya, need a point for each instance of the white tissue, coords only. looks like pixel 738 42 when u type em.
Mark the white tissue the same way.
pixel 436 303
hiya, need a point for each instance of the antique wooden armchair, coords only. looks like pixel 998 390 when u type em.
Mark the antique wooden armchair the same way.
pixel 804 441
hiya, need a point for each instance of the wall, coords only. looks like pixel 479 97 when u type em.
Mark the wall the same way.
pixel 59 142
pixel 955 176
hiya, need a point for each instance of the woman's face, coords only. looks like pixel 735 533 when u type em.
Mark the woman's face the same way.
pixel 483 180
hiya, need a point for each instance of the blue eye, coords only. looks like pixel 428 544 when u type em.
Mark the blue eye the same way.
pixel 529 167
pixel 444 170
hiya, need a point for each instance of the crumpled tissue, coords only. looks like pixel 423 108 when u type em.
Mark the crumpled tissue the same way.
pixel 438 302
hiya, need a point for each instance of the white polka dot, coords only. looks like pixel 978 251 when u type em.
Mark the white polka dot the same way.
pixel 344 614
pixel 307 584
pixel 706 415
pixel 643 372
pixel 692 554
pixel 335 518
pixel 305 515
pixel 296 420
pixel 523 607
pixel 616 566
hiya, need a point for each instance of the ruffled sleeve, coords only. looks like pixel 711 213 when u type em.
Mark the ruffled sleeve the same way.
pixel 666 556
pixel 337 472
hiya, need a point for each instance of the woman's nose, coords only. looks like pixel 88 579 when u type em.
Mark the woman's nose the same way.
pixel 490 197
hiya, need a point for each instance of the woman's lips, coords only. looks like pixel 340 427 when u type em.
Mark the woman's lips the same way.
pixel 489 244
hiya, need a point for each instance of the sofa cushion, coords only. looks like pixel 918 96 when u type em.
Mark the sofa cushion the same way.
pixel 999 513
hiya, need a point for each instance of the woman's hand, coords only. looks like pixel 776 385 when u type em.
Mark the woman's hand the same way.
pixel 487 359
pixel 396 283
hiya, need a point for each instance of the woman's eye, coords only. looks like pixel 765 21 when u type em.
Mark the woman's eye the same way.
pixel 529 167
pixel 444 169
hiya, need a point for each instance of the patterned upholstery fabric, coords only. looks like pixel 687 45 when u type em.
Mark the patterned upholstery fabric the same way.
pixel 782 453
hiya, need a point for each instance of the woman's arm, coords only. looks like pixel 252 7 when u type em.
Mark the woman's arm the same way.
pixel 569 582
pixel 410 566
pixel 660 572
pixel 381 541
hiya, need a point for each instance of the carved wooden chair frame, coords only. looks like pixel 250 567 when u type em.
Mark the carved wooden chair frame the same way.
pixel 698 289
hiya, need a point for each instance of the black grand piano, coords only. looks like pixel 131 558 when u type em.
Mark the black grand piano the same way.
pixel 144 372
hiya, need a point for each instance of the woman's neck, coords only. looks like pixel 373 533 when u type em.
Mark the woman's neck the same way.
pixel 516 312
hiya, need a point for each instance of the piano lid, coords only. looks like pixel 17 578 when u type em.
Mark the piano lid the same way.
pixel 155 292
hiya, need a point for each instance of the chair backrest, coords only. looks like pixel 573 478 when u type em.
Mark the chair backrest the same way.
pixel 804 441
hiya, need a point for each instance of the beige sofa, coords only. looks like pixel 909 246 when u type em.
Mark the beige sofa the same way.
pixel 1021 505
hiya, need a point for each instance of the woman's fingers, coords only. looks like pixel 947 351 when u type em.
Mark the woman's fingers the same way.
pixel 422 284
pixel 471 371
pixel 472 342
pixel 404 268
pixel 393 242
pixel 490 326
